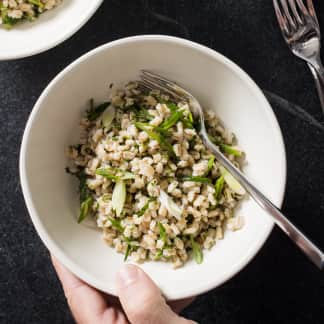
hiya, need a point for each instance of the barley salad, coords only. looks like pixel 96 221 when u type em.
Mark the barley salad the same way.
pixel 148 181
pixel 15 11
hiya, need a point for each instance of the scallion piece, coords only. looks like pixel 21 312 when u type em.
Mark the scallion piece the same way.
pixel 170 205
pixel 108 116
pixel 119 197
pixel 128 251
pixel 37 3
pixel 230 150
pixel 85 208
pixel 172 120
pixel 196 179
pixel 154 134
pixel 116 224
pixel 145 207
pixel 232 182
pixel 196 250
pixel 163 234
pixel 94 112
pixel 219 185
pixel 210 165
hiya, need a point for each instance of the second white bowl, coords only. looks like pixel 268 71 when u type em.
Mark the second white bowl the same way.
pixel 48 30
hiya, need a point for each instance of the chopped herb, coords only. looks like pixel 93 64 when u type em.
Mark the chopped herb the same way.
pixel 143 115
pixel 210 165
pixel 163 234
pixel 219 185
pixel 94 112
pixel 155 135
pixel 224 147
pixel 105 172
pixel 230 150
pixel 172 120
pixel 159 254
pixel 108 116
pixel 196 250
pixel 37 3
pixel 115 174
pixel 232 182
pixel 83 188
pixel 7 21
pixel 172 106
pixel 145 207
pixel 116 224
pixel 128 251
pixel 119 196
pixel 85 208
pixel 196 179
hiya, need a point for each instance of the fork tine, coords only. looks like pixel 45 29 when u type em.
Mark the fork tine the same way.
pixel 287 14
pixel 154 85
pixel 157 77
pixel 312 11
pixel 302 7
pixel 295 12
pixel 163 84
pixel 281 19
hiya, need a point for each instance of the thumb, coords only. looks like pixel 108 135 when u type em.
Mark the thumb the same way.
pixel 142 300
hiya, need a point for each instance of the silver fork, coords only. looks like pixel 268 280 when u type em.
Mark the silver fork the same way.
pixel 300 29
pixel 152 81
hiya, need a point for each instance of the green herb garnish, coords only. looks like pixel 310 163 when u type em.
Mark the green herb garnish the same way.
pixel 219 185
pixel 163 234
pixel 210 165
pixel 115 174
pixel 94 112
pixel 196 250
pixel 172 120
pixel 116 224
pixel 145 207
pixel 128 251
pixel 105 172
pixel 224 147
pixel 37 3
pixel 143 115
pixel 154 134
pixel 85 208
pixel 230 150
pixel 196 179
pixel 159 254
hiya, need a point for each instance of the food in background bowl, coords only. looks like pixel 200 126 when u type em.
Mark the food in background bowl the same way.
pixel 149 182
pixel 15 11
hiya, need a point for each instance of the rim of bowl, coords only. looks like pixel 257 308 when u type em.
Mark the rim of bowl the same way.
pixel 51 44
pixel 55 249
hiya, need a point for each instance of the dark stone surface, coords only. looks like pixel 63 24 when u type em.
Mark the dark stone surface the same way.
pixel 280 285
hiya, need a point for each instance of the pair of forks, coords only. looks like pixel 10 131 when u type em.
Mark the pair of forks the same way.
pixel 300 28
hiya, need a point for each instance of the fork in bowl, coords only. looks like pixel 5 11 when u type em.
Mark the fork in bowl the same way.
pixel 151 81
pixel 300 29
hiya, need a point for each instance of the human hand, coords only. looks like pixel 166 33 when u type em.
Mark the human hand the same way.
pixel 140 300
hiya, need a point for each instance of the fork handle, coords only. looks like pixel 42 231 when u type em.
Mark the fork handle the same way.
pixel 304 243
pixel 318 74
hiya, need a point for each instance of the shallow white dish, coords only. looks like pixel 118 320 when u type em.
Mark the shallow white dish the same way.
pixel 51 195
pixel 48 30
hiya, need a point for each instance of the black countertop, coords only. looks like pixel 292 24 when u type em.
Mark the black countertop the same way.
pixel 280 285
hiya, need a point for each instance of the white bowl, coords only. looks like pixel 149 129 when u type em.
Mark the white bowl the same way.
pixel 48 30
pixel 51 195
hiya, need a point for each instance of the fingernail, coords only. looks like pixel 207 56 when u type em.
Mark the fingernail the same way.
pixel 128 274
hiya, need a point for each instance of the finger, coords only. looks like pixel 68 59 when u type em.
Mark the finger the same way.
pixel 87 304
pixel 178 305
pixel 142 300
